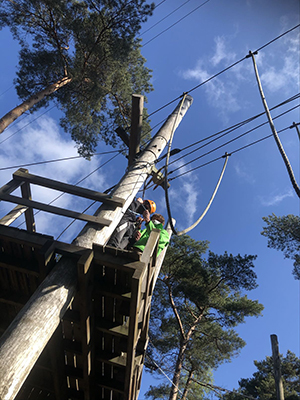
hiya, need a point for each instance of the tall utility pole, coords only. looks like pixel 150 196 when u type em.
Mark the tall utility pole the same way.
pixel 28 334
pixel 277 368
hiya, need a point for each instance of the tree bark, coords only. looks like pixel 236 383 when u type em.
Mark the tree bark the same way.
pixel 16 112
pixel 178 368
pixel 187 385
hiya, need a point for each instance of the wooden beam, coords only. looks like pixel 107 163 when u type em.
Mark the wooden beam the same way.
pixel 15 213
pixel 10 186
pixel 29 217
pixel 23 176
pixel 54 210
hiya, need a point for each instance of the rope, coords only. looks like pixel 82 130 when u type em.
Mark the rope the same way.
pixel 166 183
pixel 210 201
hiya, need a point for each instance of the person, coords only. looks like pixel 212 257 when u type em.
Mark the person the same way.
pixel 157 221
pixel 130 222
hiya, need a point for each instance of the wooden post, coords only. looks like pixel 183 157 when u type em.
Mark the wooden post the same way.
pixel 297 128
pixel 277 368
pixel 30 331
pixel 131 182
pixel 273 129
pixel 136 126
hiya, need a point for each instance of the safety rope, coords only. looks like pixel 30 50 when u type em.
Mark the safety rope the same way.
pixel 166 183
pixel 210 201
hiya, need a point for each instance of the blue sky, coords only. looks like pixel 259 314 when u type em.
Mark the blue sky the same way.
pixel 255 183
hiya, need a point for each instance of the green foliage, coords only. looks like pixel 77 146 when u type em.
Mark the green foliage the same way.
pixel 93 43
pixel 283 233
pixel 262 384
pixel 196 304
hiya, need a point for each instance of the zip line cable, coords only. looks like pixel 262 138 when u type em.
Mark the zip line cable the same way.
pixel 175 23
pixel 172 12
pixel 224 70
pixel 5 91
pixel 157 5
pixel 72 222
pixel 229 129
pixel 232 140
pixel 231 153
pixel 57 160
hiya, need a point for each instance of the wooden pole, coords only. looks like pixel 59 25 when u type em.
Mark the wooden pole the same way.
pixel 297 128
pixel 131 182
pixel 277 368
pixel 30 331
pixel 273 129
pixel 136 126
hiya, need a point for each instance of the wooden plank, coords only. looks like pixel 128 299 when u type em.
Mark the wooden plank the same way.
pixel 111 358
pixel 112 328
pixel 57 361
pixel 10 186
pixel 85 281
pixel 20 267
pixel 20 175
pixel 15 213
pixel 110 384
pixel 119 262
pixel 13 297
pixel 133 332
pixel 22 236
pixel 54 210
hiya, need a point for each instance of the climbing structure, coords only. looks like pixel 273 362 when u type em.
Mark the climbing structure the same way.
pixel 98 349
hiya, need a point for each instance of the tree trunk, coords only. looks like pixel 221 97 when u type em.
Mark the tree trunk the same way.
pixel 177 373
pixel 12 115
pixel 187 385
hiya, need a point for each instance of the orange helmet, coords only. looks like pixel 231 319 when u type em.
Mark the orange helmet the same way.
pixel 151 206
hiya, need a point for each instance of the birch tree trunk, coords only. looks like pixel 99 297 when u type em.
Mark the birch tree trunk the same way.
pixel 15 113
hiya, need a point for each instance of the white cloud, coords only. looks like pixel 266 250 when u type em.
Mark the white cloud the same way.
pixel 221 94
pixel 184 196
pixel 275 199
pixel 243 173
pixel 222 53
pixel 282 73
pixel 42 141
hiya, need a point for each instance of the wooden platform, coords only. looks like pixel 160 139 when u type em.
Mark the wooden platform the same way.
pixel 98 350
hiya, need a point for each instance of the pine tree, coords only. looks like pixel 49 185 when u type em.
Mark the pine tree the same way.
pixel 262 384
pixel 196 304
pixel 283 233
pixel 86 55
